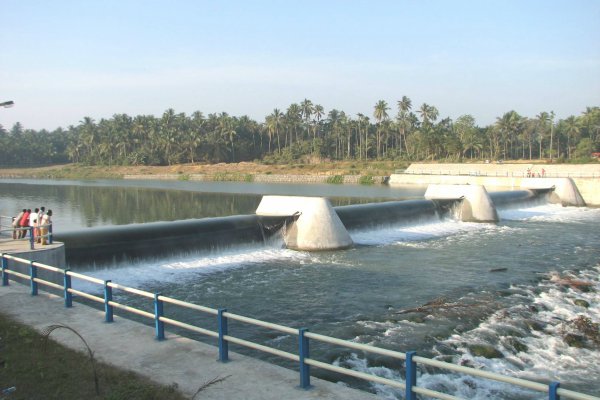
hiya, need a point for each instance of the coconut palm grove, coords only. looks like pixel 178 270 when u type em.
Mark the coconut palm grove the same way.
pixel 305 131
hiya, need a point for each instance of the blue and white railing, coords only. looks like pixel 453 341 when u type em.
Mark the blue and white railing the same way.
pixel 224 338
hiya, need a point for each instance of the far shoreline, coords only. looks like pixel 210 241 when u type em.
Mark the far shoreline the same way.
pixel 329 172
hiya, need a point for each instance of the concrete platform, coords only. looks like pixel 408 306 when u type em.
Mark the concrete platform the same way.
pixel 51 254
pixel 11 246
pixel 130 345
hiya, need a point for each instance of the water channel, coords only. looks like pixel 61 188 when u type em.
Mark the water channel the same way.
pixel 442 287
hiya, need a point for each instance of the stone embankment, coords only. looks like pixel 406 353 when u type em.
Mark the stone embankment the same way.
pixel 266 178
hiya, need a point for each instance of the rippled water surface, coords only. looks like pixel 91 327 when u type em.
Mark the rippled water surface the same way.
pixel 441 287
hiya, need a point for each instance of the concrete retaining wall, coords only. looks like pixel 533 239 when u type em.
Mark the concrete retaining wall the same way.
pixel 588 187
pixel 507 170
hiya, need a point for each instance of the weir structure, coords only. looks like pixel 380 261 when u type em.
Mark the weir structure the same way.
pixel 304 223
pixel 225 336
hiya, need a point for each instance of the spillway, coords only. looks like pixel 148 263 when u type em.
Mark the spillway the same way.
pixel 136 241
pixel 371 215
pixel 116 243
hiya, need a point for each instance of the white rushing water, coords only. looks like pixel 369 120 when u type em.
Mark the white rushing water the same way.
pixel 526 325
pixel 529 337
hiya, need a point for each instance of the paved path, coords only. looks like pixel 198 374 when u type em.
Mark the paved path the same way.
pixel 188 363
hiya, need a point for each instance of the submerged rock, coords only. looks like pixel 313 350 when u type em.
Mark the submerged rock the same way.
pixel 534 325
pixel 517 345
pixel 574 340
pixel 582 303
pixel 418 319
pixel 484 350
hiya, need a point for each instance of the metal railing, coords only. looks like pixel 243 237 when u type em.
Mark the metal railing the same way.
pixel 224 338
pixel 511 174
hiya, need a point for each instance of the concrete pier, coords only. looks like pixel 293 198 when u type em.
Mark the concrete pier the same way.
pixel 315 226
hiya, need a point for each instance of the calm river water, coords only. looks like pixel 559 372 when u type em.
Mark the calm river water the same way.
pixel 441 287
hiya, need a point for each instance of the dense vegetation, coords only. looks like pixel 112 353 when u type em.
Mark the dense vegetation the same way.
pixel 301 133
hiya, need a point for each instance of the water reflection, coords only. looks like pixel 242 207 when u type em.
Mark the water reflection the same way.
pixel 87 204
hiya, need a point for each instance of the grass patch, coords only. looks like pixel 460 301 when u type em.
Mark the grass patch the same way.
pixel 366 180
pixel 52 371
pixel 335 179
pixel 232 177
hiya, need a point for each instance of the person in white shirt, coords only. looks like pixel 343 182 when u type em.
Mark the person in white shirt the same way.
pixel 45 223
pixel 40 215
pixel 33 218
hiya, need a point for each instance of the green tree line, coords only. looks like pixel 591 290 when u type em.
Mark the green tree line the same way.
pixel 304 130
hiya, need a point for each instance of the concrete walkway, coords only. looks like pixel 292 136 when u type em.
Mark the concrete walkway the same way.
pixel 190 364
pixel 10 246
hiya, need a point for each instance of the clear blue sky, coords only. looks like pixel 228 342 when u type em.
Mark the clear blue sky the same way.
pixel 63 60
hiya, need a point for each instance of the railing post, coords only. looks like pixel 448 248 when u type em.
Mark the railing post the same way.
pixel 553 391
pixel 32 277
pixel 411 376
pixel 159 326
pixel 223 344
pixel 108 309
pixel 67 286
pixel 50 233
pixel 4 273
pixel 304 353
pixel 31 238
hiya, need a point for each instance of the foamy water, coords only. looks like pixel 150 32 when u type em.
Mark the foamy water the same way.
pixel 505 322
pixel 183 268
pixel 541 353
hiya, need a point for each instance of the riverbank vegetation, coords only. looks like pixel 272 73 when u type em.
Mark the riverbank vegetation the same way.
pixel 304 134
pixel 35 367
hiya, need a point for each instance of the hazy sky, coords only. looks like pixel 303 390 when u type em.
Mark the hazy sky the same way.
pixel 63 60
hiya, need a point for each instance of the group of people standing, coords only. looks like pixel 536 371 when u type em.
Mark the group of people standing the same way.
pixel 38 219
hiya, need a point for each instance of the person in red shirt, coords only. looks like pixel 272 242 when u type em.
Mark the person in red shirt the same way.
pixel 24 223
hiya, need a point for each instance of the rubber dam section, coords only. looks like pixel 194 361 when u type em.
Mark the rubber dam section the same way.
pixel 300 223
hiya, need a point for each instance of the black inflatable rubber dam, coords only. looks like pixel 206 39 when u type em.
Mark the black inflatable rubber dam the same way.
pixel 134 241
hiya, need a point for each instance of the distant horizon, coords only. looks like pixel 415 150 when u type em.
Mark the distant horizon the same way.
pixel 64 61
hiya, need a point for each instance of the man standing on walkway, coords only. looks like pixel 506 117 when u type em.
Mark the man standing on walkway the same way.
pixel 15 224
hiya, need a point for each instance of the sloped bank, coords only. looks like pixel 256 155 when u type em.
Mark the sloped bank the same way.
pixel 266 178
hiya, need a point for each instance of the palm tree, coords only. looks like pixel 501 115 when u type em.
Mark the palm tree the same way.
pixel 274 122
pixel 404 107
pixel 428 113
pixel 405 104
pixel 363 125
pixel 572 131
pixel 380 114
pixel 307 109
pixel 542 122
pixel 318 111
pixel 293 116
pixel 87 133
pixel 509 125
